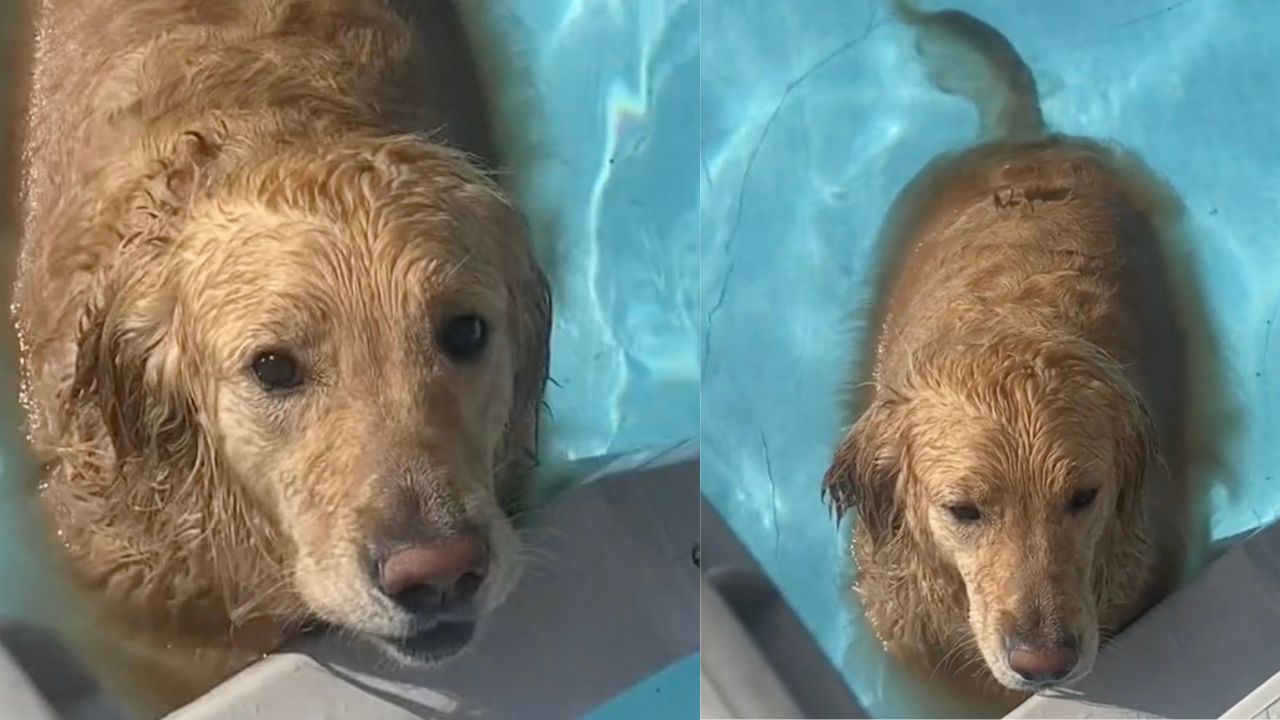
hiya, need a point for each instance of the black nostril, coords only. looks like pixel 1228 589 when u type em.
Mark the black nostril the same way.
pixel 432 599
pixel 421 599
pixel 465 589
pixel 429 575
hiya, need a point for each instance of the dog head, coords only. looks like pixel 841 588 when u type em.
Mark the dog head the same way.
pixel 353 339
pixel 1014 471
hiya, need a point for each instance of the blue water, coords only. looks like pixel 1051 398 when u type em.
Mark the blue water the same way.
pixel 671 694
pixel 18 568
pixel 605 150
pixel 814 115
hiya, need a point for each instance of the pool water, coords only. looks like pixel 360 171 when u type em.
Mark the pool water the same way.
pixel 814 115
pixel 19 528
pixel 671 694
pixel 597 110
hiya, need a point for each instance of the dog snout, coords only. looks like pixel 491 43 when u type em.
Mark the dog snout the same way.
pixel 441 576
pixel 1043 663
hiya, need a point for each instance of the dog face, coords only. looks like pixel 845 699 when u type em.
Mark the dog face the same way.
pixel 1011 476
pixel 356 338
pixel 1018 508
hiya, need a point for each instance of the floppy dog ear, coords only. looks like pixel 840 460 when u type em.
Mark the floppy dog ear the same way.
pixel 529 318
pixel 128 367
pixel 533 354
pixel 1137 452
pixel 865 472
pixel 128 362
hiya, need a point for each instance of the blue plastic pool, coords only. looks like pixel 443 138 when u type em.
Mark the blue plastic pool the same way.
pixel 814 115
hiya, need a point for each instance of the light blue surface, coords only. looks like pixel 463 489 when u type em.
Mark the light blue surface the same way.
pixel 598 118
pixel 671 695
pixel 814 115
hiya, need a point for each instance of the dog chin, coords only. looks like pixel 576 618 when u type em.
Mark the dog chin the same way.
pixel 436 645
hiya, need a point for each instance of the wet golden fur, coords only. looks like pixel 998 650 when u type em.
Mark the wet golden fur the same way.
pixel 1007 376
pixel 206 179
pixel 1025 348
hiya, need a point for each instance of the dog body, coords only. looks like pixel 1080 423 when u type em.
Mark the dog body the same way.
pixel 1008 468
pixel 283 352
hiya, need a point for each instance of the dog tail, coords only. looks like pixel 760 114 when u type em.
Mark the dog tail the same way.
pixel 966 57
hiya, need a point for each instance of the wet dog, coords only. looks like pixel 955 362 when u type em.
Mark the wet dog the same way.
pixel 283 349
pixel 1014 427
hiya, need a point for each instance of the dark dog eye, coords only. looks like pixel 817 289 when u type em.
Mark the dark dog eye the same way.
pixel 964 513
pixel 1082 499
pixel 276 370
pixel 464 337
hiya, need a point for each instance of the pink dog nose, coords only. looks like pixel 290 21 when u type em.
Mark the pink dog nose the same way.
pixel 1043 664
pixel 448 572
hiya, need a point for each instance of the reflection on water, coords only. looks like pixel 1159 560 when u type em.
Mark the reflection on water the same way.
pixel 606 160
pixel 814 115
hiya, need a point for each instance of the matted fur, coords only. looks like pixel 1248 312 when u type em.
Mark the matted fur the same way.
pixel 1023 338
pixel 203 180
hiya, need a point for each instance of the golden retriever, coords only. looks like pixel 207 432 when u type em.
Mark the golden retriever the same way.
pixel 284 342
pixel 1005 461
